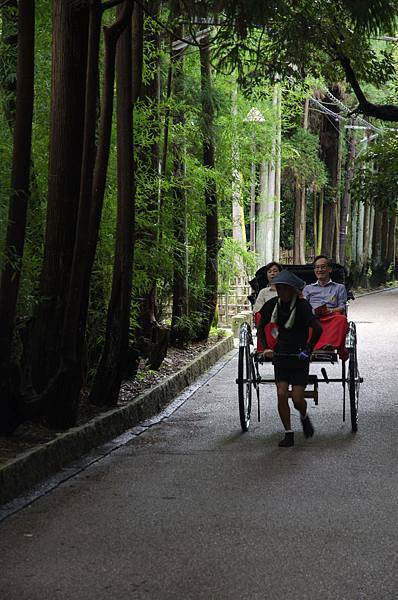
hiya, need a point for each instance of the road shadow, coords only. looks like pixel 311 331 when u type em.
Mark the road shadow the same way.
pixel 321 441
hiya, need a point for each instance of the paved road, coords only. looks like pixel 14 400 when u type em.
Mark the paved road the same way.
pixel 193 509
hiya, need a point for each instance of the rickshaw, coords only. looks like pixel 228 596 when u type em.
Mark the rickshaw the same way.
pixel 249 359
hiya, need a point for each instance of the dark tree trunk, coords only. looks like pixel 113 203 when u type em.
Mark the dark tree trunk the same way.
pixel 383 260
pixel 151 338
pixel 108 377
pixel 166 135
pixel 111 36
pixel 329 222
pixel 377 267
pixel 20 178
pixel 366 233
pixel 300 213
pixel 8 79
pixel 390 254
pixel 20 188
pixel 330 150
pixel 167 114
pixel 64 390
pixel 69 62
pixel 9 37
pixel 384 236
pixel 209 161
pixel 180 293
pixel 345 204
pixel 137 49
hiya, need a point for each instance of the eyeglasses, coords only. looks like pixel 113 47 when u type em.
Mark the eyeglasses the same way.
pixel 321 268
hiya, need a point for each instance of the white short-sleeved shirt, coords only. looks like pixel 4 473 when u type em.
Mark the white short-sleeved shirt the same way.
pixel 263 296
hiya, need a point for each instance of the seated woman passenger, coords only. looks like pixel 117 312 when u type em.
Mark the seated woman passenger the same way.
pixel 271 269
pixel 328 300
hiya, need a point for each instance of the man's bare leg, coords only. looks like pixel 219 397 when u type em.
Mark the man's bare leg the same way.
pixel 284 413
pixel 300 404
pixel 299 401
pixel 283 404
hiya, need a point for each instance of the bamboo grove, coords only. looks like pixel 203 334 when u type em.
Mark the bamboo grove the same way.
pixel 151 152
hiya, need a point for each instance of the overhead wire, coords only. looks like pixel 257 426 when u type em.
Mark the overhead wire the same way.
pixel 348 110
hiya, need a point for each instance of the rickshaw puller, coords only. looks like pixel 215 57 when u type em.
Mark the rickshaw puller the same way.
pixel 289 318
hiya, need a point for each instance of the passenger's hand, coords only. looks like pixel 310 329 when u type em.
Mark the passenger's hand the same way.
pixel 268 353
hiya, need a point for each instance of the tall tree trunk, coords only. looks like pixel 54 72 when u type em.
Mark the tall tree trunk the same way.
pixel 137 49
pixel 390 253
pixel 303 223
pixel 377 269
pixel 8 78
pixel 253 185
pixel 69 62
pixel 384 245
pixel 297 216
pixel 151 338
pixel 360 236
pixel 330 154
pixel 384 235
pixel 106 385
pixel 212 244
pixel 354 231
pixel 15 236
pixel 272 171
pixel 315 209
pixel 371 230
pixel 64 390
pixel 61 397
pixel 238 228
pixel 329 222
pixel 9 38
pixel 366 235
pixel 278 172
pixel 20 178
pixel 320 222
pixel 345 204
pixel 300 214
pixel 180 291
pixel 262 214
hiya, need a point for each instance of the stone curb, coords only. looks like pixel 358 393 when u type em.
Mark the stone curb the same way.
pixel 377 291
pixel 39 463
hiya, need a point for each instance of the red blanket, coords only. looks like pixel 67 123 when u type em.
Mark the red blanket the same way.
pixel 335 327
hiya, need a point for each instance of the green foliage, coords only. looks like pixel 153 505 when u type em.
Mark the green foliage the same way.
pixel 292 39
pixel 232 257
pixel 377 181
pixel 304 158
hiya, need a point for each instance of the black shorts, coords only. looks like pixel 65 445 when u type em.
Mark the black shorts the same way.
pixel 292 375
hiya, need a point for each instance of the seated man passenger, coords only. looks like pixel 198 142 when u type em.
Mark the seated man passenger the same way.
pixel 328 301
pixel 325 296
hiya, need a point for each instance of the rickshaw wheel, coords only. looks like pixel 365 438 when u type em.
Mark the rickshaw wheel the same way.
pixel 245 382
pixel 353 379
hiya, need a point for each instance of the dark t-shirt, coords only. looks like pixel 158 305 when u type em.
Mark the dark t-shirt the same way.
pixel 295 339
